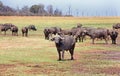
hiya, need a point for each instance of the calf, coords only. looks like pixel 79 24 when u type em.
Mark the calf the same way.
pixel 64 43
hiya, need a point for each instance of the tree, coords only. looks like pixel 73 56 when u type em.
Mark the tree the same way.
pixel 34 9
pixel 25 11
pixel 41 10
pixel 1 4
pixel 57 12
pixel 50 10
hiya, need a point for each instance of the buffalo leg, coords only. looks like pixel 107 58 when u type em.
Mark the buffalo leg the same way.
pixel 17 33
pixel 93 41
pixel 82 38
pixel 71 52
pixel 59 55
pixel 26 34
pixel 12 33
pixel 76 39
pixel 106 41
pixel 63 54
pixel 79 39
pixel 5 33
pixel 114 41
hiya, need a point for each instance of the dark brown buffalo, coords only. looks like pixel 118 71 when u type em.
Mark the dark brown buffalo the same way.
pixel 116 26
pixel 64 43
pixel 6 27
pixel 97 33
pixel 48 31
pixel 80 34
pixel 113 35
pixel 14 30
pixel 32 27
pixel 25 31
pixel 65 32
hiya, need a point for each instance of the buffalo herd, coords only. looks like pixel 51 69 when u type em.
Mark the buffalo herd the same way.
pixel 14 29
pixel 65 39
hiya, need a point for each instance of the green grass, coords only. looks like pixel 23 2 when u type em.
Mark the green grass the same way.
pixel 35 56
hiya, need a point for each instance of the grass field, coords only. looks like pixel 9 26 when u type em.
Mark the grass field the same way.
pixel 35 56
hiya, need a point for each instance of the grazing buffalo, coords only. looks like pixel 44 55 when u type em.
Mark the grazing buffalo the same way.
pixel 116 26
pixel 97 33
pixel 113 35
pixel 48 31
pixel 25 31
pixel 64 43
pixel 14 30
pixel 32 27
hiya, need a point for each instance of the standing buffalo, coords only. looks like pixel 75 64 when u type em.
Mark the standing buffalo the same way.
pixel 98 33
pixel 65 32
pixel 113 35
pixel 80 34
pixel 6 27
pixel 64 43
pixel 116 26
pixel 48 31
pixel 25 31
pixel 32 27
pixel 14 30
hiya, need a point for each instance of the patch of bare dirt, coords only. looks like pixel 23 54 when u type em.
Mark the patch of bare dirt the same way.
pixel 4 68
pixel 107 55
pixel 110 70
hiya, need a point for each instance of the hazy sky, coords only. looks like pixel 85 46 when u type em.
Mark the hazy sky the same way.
pixel 84 5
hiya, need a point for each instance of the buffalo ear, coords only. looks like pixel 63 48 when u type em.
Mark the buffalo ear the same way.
pixel 52 39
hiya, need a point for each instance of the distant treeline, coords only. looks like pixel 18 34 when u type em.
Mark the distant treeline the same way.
pixel 34 10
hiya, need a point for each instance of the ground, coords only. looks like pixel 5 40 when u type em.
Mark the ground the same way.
pixel 35 56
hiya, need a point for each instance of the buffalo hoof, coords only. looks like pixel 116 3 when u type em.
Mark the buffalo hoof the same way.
pixel 72 58
pixel 59 60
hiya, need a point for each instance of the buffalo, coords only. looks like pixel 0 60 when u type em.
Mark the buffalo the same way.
pixel 48 31
pixel 14 30
pixel 80 34
pixel 6 27
pixel 25 31
pixel 116 26
pixel 64 43
pixel 113 35
pixel 32 27
pixel 65 32
pixel 98 33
